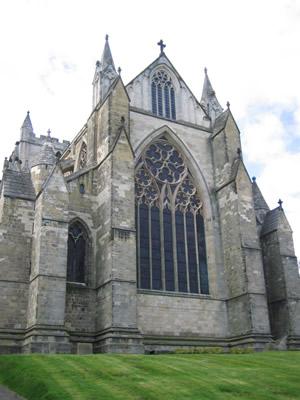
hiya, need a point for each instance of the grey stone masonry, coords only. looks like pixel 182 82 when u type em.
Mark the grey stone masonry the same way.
pixel 84 270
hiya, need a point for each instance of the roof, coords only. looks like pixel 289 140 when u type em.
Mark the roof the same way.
pixel 271 222
pixel 18 184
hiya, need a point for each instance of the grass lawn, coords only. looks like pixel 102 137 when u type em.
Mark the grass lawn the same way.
pixel 270 375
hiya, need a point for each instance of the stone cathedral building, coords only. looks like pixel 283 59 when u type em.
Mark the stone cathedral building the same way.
pixel 145 233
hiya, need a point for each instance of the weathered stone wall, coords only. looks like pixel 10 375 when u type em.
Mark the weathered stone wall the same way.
pixel 15 260
pixel 178 315
pixel 283 281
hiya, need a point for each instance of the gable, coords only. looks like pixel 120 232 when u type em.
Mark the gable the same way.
pixel 188 108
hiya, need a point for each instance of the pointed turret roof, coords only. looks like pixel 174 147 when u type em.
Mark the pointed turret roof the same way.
pixel 259 201
pixel 107 59
pixel 209 99
pixel 47 156
pixel 27 128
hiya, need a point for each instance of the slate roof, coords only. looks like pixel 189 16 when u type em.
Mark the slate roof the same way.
pixel 271 221
pixel 17 184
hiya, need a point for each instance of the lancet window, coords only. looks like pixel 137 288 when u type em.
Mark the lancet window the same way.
pixel 171 252
pixel 163 95
pixel 77 253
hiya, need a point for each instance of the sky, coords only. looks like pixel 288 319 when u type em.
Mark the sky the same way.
pixel 251 49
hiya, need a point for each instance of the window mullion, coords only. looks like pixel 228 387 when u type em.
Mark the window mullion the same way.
pixel 174 250
pixel 186 254
pixel 150 244
pixel 197 252
pixel 138 245
pixel 162 250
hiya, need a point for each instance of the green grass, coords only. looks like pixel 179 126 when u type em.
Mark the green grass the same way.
pixel 270 375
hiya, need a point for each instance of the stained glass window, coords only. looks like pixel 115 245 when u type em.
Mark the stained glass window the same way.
pixel 163 95
pixel 171 251
pixel 77 253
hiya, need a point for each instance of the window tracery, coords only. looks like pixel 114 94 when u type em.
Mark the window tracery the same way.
pixel 83 156
pixel 163 95
pixel 77 253
pixel 171 250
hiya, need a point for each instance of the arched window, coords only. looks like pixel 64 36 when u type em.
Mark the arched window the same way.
pixel 82 156
pixel 163 95
pixel 77 253
pixel 171 252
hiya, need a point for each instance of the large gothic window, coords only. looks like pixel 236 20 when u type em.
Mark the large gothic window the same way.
pixel 163 95
pixel 77 253
pixel 171 253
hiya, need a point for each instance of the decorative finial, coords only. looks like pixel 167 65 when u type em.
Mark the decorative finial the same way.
pixel 122 120
pixel 28 112
pixel 98 63
pixel 161 45
pixel 228 104
pixel 48 132
pixel 253 178
pixel 119 70
pixel 239 152
pixel 205 71
pixel 106 37
pixel 280 204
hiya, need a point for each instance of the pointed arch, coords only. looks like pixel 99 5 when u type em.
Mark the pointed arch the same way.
pixel 189 159
pixel 163 92
pixel 171 250
pixel 79 246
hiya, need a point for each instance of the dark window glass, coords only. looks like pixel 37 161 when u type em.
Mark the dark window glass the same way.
pixel 202 255
pixel 156 258
pixel 181 258
pixel 154 104
pixel 76 253
pixel 144 247
pixel 167 101
pixel 173 108
pixel 190 233
pixel 168 247
pixel 159 100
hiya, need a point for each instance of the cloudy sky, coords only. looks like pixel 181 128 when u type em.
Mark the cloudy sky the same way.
pixel 251 49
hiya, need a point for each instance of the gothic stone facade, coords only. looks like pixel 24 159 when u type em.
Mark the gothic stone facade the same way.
pixel 145 233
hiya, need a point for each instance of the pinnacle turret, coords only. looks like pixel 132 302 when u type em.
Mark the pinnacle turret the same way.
pixel 47 155
pixel 26 128
pixel 107 60
pixel 105 74
pixel 209 100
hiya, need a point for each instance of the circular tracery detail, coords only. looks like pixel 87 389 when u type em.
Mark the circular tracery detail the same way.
pixel 162 177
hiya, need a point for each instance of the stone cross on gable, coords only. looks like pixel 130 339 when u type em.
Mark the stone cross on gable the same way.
pixel 161 45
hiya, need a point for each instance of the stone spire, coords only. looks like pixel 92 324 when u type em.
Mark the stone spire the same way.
pixel 105 74
pixel 107 61
pixel 209 100
pixel 26 128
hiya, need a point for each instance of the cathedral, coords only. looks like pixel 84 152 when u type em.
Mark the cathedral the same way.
pixel 145 233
